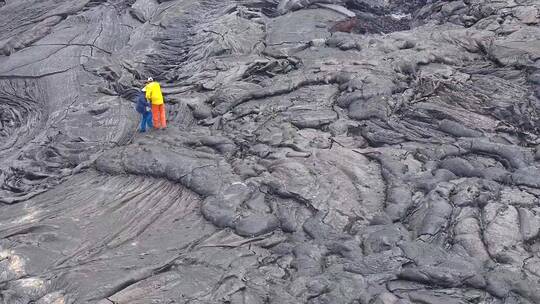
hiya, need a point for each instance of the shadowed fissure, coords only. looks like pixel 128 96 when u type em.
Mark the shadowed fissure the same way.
pixel 316 151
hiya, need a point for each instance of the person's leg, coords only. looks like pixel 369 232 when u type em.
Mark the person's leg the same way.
pixel 163 117
pixel 149 123
pixel 155 116
pixel 142 127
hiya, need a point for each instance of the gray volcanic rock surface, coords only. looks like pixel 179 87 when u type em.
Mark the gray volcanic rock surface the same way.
pixel 389 158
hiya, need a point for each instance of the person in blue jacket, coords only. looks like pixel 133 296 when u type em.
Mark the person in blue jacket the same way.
pixel 145 109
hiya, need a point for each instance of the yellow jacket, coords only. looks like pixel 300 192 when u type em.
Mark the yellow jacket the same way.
pixel 153 93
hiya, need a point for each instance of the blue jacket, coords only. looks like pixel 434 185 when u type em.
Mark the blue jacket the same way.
pixel 143 106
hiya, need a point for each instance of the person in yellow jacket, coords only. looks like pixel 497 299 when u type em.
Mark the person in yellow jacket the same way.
pixel 155 97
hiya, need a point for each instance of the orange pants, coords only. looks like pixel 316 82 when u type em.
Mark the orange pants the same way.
pixel 158 116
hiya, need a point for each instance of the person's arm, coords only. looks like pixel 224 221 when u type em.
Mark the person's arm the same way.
pixel 148 93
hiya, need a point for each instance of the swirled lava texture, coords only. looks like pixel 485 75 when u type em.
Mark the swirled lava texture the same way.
pixel 345 151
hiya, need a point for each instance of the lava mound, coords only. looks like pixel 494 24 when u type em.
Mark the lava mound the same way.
pixel 316 151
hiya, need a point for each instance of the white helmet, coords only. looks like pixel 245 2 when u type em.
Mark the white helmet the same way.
pixel 150 79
